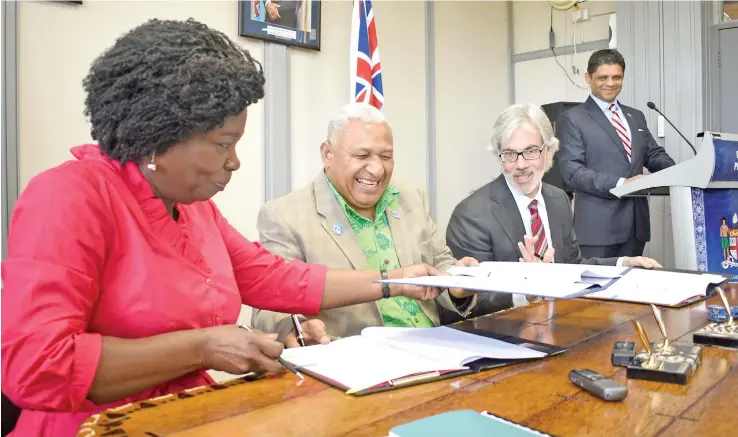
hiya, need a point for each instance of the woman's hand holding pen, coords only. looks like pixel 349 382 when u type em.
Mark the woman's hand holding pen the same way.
pixel 231 349
pixel 313 332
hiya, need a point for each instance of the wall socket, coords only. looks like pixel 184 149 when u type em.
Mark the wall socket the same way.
pixel 580 15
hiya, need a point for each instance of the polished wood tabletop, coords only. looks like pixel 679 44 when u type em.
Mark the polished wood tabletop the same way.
pixel 537 394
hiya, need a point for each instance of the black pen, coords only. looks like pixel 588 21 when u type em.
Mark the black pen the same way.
pixel 298 330
pixel 286 365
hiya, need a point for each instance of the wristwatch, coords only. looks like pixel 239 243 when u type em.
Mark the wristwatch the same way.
pixel 385 286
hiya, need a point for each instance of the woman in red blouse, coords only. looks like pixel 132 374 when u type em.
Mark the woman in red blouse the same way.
pixel 123 281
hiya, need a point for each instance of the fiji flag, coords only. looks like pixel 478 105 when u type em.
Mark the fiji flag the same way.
pixel 366 71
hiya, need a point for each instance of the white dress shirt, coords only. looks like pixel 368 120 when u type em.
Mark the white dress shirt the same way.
pixel 523 201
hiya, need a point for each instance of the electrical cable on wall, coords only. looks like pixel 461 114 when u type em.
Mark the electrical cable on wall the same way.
pixel 552 44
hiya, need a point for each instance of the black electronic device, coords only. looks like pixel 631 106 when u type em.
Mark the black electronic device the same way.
pixel 599 385
pixel 623 353
pixel 674 364
pixel 665 361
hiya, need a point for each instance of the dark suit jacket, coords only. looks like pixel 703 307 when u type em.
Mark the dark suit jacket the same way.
pixel 592 159
pixel 288 13
pixel 487 226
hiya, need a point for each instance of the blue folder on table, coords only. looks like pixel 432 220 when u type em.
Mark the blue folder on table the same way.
pixel 466 423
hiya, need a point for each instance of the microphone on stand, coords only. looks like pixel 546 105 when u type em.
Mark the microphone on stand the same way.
pixel 652 106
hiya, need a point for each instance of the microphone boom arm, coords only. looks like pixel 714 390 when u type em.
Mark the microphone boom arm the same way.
pixel 652 106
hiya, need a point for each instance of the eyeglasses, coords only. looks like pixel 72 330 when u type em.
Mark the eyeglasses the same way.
pixel 527 154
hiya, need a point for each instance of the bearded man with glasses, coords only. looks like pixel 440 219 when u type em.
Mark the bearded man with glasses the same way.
pixel 517 217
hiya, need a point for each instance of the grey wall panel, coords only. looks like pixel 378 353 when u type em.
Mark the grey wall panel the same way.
pixel 430 110
pixel 711 11
pixel 10 171
pixel 276 147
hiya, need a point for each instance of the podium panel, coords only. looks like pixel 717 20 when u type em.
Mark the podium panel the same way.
pixel 715 215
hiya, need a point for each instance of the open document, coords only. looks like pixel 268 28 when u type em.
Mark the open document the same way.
pixel 659 287
pixel 559 281
pixel 383 356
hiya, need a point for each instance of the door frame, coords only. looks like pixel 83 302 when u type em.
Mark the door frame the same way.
pixel 722 27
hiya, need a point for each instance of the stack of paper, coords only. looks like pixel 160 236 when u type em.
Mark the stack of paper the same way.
pixel 659 287
pixel 561 281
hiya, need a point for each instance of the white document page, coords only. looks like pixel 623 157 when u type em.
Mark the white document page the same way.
pixel 360 362
pixel 450 345
pixel 658 287
pixel 550 272
pixel 534 287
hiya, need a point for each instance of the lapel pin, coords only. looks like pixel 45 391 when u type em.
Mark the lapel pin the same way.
pixel 396 214
pixel 628 114
pixel 338 229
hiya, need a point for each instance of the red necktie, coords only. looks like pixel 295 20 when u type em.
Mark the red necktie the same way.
pixel 536 227
pixel 617 122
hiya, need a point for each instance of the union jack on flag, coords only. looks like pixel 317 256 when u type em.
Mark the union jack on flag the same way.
pixel 366 71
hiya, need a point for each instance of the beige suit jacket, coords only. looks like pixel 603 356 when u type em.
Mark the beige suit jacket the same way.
pixel 300 225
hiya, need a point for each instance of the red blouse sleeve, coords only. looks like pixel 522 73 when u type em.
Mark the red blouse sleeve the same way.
pixel 56 251
pixel 267 281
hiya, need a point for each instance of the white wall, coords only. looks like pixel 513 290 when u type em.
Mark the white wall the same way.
pixel 57 43
pixel 471 47
pixel 472 88
pixel 532 21
pixel 542 80
pixel 320 86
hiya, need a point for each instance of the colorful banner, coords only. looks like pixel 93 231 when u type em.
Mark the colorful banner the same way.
pixel 716 230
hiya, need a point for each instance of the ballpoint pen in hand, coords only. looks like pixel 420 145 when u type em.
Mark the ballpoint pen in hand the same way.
pixel 298 330
pixel 284 363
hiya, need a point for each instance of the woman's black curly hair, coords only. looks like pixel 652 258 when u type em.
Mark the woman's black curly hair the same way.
pixel 164 81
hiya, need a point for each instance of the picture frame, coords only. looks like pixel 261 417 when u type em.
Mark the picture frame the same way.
pixel 297 23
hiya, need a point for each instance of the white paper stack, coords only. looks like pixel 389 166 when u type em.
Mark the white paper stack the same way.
pixel 560 281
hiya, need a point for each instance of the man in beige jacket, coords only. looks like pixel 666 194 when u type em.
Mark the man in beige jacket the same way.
pixel 352 217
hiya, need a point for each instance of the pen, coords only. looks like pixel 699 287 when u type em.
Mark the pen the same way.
pixel 725 304
pixel 298 330
pixel 643 336
pixel 287 365
pixel 662 326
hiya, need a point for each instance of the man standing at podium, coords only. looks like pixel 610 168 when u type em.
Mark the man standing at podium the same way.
pixel 605 144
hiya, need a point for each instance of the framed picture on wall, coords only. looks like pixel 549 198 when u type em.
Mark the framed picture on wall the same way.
pixel 292 23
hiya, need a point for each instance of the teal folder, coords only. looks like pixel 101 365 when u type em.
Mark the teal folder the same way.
pixel 466 423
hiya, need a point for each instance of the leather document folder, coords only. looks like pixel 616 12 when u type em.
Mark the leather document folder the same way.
pixel 385 358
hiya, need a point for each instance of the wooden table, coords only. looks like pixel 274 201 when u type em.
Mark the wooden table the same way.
pixel 537 394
